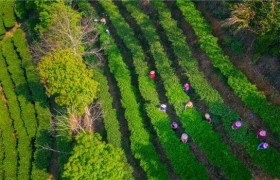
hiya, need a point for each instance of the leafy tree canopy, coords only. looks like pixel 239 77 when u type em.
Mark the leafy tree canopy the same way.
pixel 94 159
pixel 66 77
pixel 262 18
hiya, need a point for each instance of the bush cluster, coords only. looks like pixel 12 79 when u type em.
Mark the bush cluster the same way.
pixel 2 29
pixel 8 142
pixel 7 9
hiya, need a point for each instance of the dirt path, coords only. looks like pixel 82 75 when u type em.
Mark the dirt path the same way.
pixel 54 167
pixel 13 29
pixel 228 96
pixel 4 98
pixel 213 172
pixel 244 63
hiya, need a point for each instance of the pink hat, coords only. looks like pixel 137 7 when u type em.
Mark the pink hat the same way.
pixel 238 123
pixel 152 72
pixel 262 133
pixel 265 145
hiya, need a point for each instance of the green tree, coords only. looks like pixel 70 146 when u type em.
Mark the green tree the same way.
pixel 94 159
pixel 262 18
pixel 66 77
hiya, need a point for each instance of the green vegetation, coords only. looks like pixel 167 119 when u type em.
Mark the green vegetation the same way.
pixel 8 13
pixel 66 76
pixel 21 86
pixel 108 113
pixel 16 107
pixel 2 29
pixel 93 159
pixel 9 166
pixel 260 17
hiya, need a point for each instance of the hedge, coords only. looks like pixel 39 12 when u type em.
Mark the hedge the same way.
pixel 2 155
pixel 109 114
pixel 246 91
pixel 200 131
pixel 8 143
pixel 41 156
pixel 8 13
pixel 21 87
pixel 2 28
pixel 211 96
pixel 182 160
pixel 24 142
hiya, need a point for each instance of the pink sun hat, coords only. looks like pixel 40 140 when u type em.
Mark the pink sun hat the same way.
pixel 265 145
pixel 238 124
pixel 262 133
pixel 186 86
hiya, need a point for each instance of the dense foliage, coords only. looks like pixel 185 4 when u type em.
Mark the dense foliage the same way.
pixel 7 6
pixel 93 159
pixel 67 78
pixel 262 18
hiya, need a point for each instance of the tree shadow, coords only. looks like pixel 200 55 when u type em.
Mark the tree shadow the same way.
pixel 33 92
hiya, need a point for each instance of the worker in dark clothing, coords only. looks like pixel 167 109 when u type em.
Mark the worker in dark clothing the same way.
pixel 262 146
pixel 174 126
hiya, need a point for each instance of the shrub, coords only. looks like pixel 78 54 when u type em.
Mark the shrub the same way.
pixel 8 13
